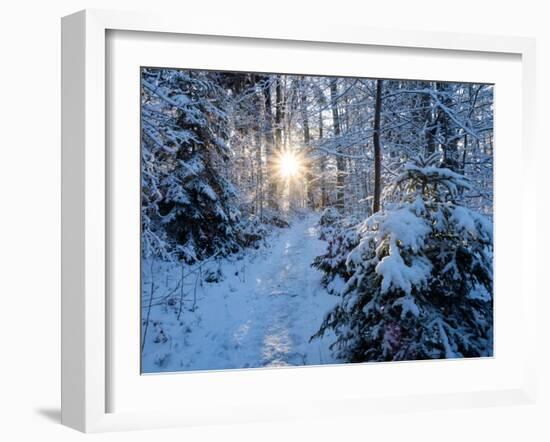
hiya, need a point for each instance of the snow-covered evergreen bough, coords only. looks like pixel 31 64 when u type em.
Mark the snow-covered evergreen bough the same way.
pixel 418 274
pixel 189 205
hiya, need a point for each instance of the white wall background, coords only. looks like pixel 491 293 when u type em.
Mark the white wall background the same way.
pixel 30 216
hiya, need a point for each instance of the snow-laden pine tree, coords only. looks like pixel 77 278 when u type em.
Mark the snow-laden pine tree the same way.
pixel 188 205
pixel 419 284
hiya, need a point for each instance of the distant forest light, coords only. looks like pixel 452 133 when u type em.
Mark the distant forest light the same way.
pixel 289 164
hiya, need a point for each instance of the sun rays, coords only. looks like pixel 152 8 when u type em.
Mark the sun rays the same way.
pixel 289 164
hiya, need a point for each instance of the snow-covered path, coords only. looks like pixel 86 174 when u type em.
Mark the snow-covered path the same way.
pixel 288 302
pixel 262 314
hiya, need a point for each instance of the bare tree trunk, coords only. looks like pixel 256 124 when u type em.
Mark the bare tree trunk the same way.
pixel 279 117
pixel 430 127
pixel 309 165
pixel 272 189
pixel 260 175
pixel 340 163
pixel 323 160
pixel 279 141
pixel 448 130
pixel 377 148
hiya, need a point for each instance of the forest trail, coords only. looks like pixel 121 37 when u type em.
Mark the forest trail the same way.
pixel 262 314
pixel 289 298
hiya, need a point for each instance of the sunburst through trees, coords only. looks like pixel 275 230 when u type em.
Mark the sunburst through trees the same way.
pixel 305 220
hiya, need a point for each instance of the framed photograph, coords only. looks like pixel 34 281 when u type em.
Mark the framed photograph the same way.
pixel 264 223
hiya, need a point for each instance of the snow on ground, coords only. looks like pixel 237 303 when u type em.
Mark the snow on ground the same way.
pixel 261 314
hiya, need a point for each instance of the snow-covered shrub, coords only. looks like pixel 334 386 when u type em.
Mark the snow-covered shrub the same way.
pixel 329 216
pixel 419 283
pixel 253 232
pixel 329 223
pixel 274 218
pixel 342 238
pixel 213 275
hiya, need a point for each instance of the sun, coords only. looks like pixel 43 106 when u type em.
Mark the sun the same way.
pixel 289 164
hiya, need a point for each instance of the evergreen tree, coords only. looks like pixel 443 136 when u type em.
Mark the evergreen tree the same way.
pixel 188 204
pixel 419 283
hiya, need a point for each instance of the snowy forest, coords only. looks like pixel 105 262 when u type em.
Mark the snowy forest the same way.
pixel 291 220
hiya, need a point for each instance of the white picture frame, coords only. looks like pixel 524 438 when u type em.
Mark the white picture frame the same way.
pixel 86 356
